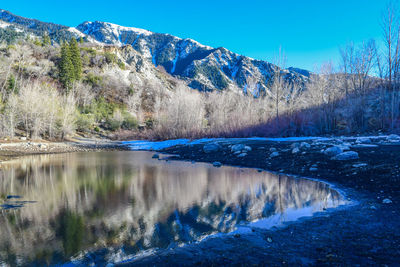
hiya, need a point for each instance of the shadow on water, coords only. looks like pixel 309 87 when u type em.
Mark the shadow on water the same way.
pixel 118 204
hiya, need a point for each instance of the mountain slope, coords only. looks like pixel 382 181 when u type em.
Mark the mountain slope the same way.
pixel 201 67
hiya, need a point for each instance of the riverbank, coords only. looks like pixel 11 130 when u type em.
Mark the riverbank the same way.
pixel 14 149
pixel 363 234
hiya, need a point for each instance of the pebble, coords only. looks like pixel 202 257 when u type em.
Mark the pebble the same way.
pixel 360 165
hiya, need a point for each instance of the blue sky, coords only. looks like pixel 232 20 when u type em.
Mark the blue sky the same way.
pixel 309 31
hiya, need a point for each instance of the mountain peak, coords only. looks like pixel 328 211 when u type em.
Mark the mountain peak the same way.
pixel 202 67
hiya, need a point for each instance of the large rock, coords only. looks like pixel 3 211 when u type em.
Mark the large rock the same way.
pixel 333 151
pixel 363 140
pixel 240 148
pixel 295 150
pixel 217 164
pixel 304 145
pixel 236 148
pixel 393 137
pixel 349 155
pixel 274 154
pixel 294 145
pixel 211 148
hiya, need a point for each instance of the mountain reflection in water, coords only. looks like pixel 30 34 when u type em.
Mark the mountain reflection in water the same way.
pixel 126 202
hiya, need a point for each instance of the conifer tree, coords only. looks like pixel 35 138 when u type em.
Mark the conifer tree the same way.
pixel 46 40
pixel 81 41
pixel 66 68
pixel 11 83
pixel 75 58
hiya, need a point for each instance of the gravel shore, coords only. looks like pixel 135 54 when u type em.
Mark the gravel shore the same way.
pixel 13 149
pixel 364 234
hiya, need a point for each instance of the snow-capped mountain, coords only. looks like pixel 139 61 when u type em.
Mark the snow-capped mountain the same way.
pixel 201 67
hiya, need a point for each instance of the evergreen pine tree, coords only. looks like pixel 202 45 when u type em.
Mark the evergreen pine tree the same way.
pixel 11 83
pixel 75 58
pixel 81 41
pixel 46 40
pixel 66 68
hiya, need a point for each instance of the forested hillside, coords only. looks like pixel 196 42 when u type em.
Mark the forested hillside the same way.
pixel 56 81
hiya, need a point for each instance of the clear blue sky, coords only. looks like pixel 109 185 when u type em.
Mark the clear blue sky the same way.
pixel 309 31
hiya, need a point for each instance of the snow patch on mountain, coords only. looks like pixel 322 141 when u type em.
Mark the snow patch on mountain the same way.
pixel 4 25
pixel 201 67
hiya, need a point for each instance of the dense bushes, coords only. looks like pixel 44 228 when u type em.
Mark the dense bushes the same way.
pixel 26 110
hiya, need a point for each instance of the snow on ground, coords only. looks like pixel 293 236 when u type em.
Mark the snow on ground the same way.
pixel 117 29
pixel 160 145
pixel 157 145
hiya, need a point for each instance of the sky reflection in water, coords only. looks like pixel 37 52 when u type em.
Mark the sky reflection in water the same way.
pixel 54 207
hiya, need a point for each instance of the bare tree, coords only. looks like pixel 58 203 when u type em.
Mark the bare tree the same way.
pixel 390 58
pixel 278 84
pixel 357 64
pixel 67 118
pixel 182 115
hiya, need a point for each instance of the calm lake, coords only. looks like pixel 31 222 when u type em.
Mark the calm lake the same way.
pixel 108 206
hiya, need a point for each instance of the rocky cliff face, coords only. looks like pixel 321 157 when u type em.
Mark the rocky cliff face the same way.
pixel 201 67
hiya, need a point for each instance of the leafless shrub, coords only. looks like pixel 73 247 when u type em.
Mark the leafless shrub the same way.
pixel 181 115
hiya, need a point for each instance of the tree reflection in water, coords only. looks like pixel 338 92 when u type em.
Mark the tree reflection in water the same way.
pixel 126 201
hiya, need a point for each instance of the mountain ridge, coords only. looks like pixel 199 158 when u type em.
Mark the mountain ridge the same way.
pixel 202 67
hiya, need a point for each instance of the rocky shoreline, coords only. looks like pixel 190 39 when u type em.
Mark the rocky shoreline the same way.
pixel 365 233
pixel 365 169
pixel 14 149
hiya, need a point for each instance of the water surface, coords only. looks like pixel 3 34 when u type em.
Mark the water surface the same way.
pixel 106 206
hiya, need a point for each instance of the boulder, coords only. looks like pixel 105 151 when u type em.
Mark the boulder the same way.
pixel 304 145
pixel 156 156
pixel 238 147
pixel 295 145
pixel 274 154
pixel 348 155
pixel 393 137
pixel 295 150
pixel 241 155
pixel 247 148
pixel 211 148
pixel 345 146
pixel 333 151
pixel 386 201
pixel 217 164
pixel 363 140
